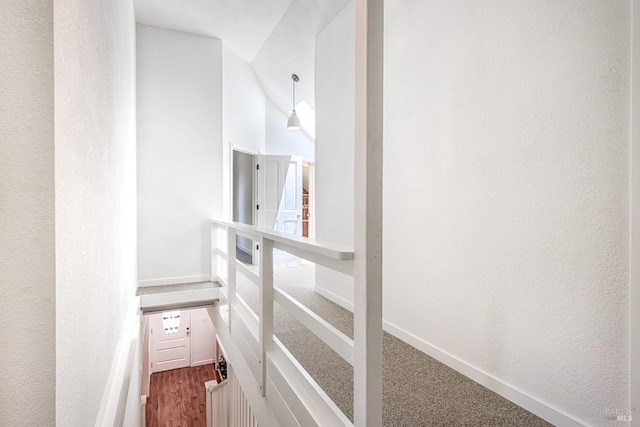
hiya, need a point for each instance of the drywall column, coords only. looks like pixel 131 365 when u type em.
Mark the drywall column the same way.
pixel 95 176
pixel 27 247
pixel 335 81
pixel 367 318
pixel 179 153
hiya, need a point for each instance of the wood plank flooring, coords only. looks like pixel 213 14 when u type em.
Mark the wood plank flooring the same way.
pixel 177 398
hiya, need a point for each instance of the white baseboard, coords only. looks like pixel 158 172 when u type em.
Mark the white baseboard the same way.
pixel 347 305
pixel 247 251
pixel 114 397
pixel 508 391
pixel 173 281
pixel 202 362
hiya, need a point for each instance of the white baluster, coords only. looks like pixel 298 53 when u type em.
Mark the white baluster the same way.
pixel 266 307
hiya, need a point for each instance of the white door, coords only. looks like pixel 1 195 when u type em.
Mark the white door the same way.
pixel 203 337
pixel 280 193
pixel 170 336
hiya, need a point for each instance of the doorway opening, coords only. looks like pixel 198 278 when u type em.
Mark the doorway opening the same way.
pixel 243 200
pixel 180 353
pixel 270 191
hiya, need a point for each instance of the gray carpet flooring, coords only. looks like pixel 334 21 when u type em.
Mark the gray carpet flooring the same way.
pixel 161 289
pixel 417 389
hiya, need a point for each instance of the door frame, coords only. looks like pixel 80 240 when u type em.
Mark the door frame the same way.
pixel 312 198
pixel 153 353
pixel 254 196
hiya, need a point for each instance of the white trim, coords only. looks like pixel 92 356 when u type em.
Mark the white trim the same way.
pixel 508 391
pixel 143 410
pixel 289 242
pixel 347 305
pixel 254 194
pixel 202 362
pixel 245 150
pixel 174 280
pixel 114 397
pixel 178 300
pixel 634 221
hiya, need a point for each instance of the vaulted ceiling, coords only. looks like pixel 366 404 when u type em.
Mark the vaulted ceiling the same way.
pixel 277 37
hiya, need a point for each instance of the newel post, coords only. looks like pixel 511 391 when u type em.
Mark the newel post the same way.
pixel 368 214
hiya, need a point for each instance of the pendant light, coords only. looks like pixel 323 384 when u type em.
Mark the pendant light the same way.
pixel 294 121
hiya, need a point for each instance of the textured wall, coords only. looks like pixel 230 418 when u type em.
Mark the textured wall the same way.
pixel 506 191
pixel 27 270
pixel 243 116
pixel 335 86
pixel 243 104
pixel 179 151
pixel 95 170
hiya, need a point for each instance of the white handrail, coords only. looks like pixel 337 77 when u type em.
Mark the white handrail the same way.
pixel 312 246
pixel 278 377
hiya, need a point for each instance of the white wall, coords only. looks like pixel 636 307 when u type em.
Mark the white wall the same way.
pixel 95 176
pixel 506 193
pixel 179 153
pixel 335 86
pixel 244 109
pixel 243 115
pixel 27 255
pixel 203 337
pixel 283 141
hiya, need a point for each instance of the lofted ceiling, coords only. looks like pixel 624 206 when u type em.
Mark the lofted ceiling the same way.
pixel 277 37
pixel 244 25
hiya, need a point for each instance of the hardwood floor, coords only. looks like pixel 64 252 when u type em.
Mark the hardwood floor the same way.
pixel 177 398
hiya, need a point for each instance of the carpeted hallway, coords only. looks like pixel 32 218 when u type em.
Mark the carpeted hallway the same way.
pixel 418 390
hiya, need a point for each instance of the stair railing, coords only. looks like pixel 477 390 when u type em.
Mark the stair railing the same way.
pixel 278 378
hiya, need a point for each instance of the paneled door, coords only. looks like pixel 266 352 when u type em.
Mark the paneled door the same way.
pixel 280 193
pixel 170 340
